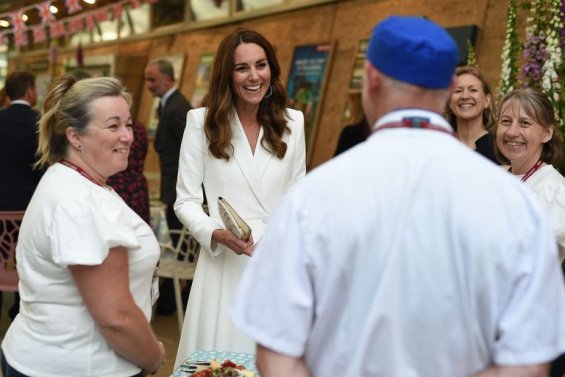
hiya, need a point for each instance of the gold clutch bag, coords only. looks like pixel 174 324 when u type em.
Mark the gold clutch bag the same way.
pixel 232 220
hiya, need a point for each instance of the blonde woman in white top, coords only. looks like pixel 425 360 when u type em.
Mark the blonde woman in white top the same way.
pixel 85 259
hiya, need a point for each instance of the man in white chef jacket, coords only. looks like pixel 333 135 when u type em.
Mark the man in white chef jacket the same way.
pixel 409 255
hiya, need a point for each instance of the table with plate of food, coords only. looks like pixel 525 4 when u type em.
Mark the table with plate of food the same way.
pixel 212 363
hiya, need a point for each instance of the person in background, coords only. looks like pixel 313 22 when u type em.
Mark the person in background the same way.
pixel 173 107
pixel 247 147
pixel 131 184
pixel 470 111
pixel 411 278
pixel 527 138
pixel 18 145
pixel 358 131
pixel 85 259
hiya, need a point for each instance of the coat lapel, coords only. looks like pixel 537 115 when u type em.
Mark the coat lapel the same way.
pixel 252 167
pixel 262 156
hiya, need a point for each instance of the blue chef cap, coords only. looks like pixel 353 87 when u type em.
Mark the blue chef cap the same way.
pixel 414 50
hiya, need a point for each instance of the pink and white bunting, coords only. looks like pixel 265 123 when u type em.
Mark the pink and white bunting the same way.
pixel 57 29
pixel 18 23
pixel 75 25
pixel 73 6
pixel 45 12
pixel 63 27
pixel 117 11
pixel 20 38
pixel 39 34
pixel 89 21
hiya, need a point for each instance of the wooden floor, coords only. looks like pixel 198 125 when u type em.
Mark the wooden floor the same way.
pixel 165 327
pixel 167 330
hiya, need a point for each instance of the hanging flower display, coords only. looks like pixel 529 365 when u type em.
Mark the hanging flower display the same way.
pixel 543 60
pixel 551 83
pixel 535 51
pixel 543 65
pixel 542 50
pixel 510 52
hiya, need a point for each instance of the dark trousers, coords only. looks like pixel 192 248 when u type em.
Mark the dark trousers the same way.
pixel 15 308
pixel 8 371
pixel 558 366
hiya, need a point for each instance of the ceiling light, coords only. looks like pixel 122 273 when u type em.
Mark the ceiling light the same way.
pixel 25 17
pixel 53 9
pixel 89 1
pixel 4 23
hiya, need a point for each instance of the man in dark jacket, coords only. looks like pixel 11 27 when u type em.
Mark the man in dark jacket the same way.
pixel 18 145
pixel 173 107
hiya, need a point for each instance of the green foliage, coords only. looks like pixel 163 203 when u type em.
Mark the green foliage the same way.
pixel 510 53
pixel 543 65
pixel 471 58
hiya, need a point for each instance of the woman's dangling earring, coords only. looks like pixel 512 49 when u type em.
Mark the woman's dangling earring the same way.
pixel 270 94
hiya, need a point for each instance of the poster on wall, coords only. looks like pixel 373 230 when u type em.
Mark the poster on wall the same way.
pixel 177 60
pixel 358 64
pixel 202 78
pixel 305 87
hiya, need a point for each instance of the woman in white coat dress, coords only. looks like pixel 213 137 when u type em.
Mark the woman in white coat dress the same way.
pixel 247 147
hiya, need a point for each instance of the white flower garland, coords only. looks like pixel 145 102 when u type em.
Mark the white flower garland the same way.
pixel 509 52
pixel 551 83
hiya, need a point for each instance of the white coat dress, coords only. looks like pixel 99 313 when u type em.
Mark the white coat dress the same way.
pixel 253 185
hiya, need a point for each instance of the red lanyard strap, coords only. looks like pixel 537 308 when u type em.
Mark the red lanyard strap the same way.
pixel 532 170
pixel 414 122
pixel 81 171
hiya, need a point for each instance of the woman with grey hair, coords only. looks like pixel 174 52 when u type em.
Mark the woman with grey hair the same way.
pixel 85 259
pixel 528 139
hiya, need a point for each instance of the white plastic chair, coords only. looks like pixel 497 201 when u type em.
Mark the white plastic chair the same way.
pixel 178 262
pixel 9 228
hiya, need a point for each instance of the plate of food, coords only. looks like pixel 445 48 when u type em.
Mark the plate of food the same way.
pixel 213 363
pixel 216 368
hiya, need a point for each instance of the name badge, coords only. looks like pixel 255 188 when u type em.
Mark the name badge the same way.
pixel 154 289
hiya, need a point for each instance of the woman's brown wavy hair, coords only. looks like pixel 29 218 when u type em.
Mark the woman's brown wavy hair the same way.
pixel 221 98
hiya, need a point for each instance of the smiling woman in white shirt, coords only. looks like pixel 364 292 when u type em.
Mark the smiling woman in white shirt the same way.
pixel 85 259
pixel 528 139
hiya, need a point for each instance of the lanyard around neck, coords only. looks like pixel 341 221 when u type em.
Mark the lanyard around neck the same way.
pixel 81 171
pixel 530 172
pixel 413 122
